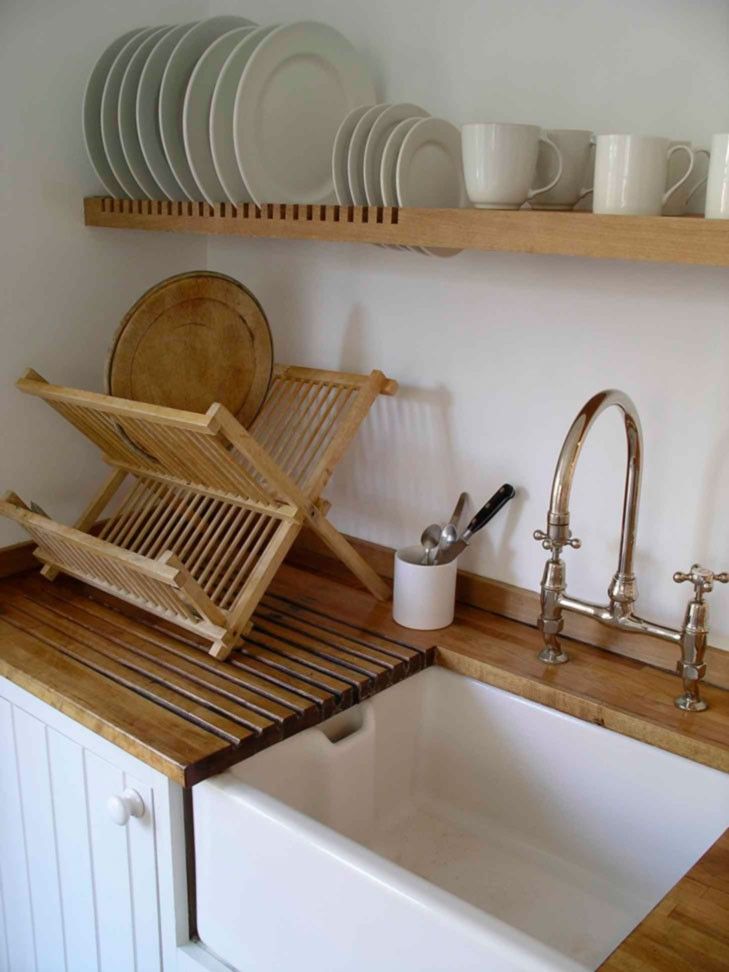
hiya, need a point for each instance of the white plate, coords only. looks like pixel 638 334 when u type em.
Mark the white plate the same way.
pixel 295 90
pixel 189 49
pixel 339 155
pixel 91 114
pixel 127 116
pixel 388 164
pixel 429 171
pixel 222 143
pixel 196 113
pixel 110 117
pixel 355 153
pixel 148 112
pixel 375 144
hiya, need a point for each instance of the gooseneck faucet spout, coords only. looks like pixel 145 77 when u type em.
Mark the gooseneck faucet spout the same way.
pixel 623 589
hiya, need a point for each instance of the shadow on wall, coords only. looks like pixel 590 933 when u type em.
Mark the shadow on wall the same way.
pixel 407 444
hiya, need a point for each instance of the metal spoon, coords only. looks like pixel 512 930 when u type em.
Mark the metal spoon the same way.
pixel 430 538
pixel 449 533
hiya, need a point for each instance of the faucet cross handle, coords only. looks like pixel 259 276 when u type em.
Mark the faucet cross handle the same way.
pixel 550 544
pixel 702 579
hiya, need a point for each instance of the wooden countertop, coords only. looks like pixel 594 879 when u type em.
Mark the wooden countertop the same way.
pixel 318 646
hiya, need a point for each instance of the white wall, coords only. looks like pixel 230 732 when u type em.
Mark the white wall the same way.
pixel 497 352
pixel 64 288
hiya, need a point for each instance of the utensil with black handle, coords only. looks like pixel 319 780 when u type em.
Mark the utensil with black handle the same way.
pixel 444 555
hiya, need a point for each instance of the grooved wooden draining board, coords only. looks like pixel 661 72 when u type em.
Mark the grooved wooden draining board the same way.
pixel 154 691
pixel 662 239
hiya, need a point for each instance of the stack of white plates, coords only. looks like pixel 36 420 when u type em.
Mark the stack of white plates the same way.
pixel 397 155
pixel 222 110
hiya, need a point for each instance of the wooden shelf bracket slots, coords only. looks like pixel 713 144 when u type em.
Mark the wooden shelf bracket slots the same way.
pixel 209 508
pixel 661 239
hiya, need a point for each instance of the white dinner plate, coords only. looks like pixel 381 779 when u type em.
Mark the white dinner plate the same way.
pixel 148 112
pixel 188 50
pixel 340 151
pixel 298 85
pixel 196 113
pixel 355 153
pixel 222 143
pixel 110 116
pixel 429 170
pixel 375 145
pixel 127 116
pixel 91 114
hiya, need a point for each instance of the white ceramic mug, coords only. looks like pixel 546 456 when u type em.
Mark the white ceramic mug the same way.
pixel 631 173
pixel 424 595
pixel 678 202
pixel 499 161
pixel 575 146
pixel 717 187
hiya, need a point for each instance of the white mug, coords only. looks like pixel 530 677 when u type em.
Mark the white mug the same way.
pixel 631 173
pixel 678 203
pixel 499 161
pixel 575 146
pixel 717 188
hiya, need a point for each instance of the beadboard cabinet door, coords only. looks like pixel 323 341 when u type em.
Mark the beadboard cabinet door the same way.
pixel 79 890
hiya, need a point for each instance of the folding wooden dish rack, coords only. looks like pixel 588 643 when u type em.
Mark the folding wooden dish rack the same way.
pixel 213 508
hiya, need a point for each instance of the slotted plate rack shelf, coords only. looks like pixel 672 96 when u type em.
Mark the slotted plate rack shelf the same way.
pixel 212 508
pixel 662 239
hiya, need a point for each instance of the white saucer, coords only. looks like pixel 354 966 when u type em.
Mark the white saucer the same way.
pixel 222 143
pixel 91 114
pixel 148 115
pixel 355 153
pixel 188 50
pixel 339 155
pixel 429 171
pixel 196 113
pixel 110 115
pixel 383 126
pixel 127 117
pixel 298 85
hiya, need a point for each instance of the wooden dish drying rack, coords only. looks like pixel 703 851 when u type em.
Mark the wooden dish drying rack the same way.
pixel 212 508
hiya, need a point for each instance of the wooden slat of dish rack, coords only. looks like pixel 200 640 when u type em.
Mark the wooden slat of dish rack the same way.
pixel 663 239
pixel 293 672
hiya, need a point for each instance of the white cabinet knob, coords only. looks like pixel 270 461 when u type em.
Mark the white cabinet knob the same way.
pixel 122 807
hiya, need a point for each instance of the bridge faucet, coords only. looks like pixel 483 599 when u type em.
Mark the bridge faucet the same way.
pixel 623 590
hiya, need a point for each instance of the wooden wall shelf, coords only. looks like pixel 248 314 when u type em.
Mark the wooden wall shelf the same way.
pixel 661 239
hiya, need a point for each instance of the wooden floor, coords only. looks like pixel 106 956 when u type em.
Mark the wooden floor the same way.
pixel 154 691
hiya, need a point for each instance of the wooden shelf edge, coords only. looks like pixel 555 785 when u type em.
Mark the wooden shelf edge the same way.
pixel 658 239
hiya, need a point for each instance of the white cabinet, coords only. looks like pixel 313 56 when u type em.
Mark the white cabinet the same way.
pixel 80 891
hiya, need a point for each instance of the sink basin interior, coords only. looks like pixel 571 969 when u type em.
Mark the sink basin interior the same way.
pixel 565 832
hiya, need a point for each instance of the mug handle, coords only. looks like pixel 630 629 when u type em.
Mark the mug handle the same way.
pixel 586 192
pixel 537 192
pixel 701 182
pixel 679 182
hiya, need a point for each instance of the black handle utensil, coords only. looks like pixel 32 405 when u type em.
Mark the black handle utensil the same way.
pixel 488 511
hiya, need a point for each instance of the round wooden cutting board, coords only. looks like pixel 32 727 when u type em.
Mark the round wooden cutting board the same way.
pixel 194 339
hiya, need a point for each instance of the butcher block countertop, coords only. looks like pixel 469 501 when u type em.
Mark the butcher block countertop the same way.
pixel 319 646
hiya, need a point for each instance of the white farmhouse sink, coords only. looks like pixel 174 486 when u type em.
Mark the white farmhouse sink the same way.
pixel 445 825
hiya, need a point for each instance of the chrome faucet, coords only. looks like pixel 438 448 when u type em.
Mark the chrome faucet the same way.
pixel 623 591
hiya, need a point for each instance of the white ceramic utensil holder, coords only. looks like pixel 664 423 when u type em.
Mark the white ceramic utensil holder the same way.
pixel 424 595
